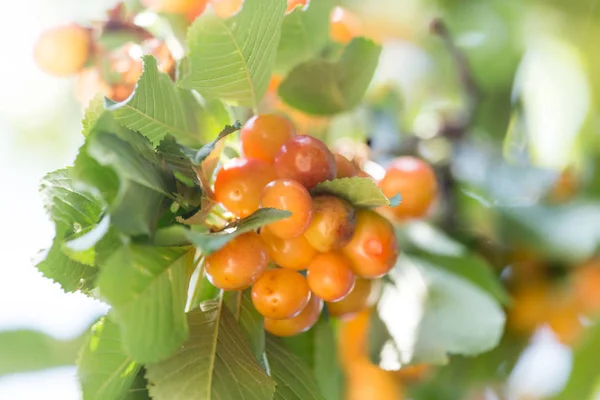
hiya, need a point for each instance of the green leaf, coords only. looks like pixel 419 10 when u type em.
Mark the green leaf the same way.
pixel 128 162
pixel 471 268
pixel 70 274
pixel 92 117
pixel 69 209
pixel 158 107
pixel 326 368
pixel 250 321
pixel 360 192
pixel 445 313
pixel 24 351
pixel 324 87
pixel 105 370
pixel 215 363
pixel 144 188
pixel 198 156
pixel 294 378
pixel 211 242
pixel 569 232
pixel 232 59
pixel 147 288
pixel 583 381
pixel 304 33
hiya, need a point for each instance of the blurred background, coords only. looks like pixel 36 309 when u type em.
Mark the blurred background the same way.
pixel 525 175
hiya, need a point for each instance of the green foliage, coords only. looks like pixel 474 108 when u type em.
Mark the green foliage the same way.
pixel 232 59
pixel 456 316
pixel 317 349
pixel 584 376
pixel 105 371
pixel 26 351
pixel 323 87
pixel 158 108
pixel 147 288
pixel 360 192
pixel 211 242
pixel 293 377
pixel 215 363
pixel 304 33
pixel 250 321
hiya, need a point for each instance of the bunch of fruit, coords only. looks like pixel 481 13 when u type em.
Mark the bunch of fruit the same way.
pixel 326 251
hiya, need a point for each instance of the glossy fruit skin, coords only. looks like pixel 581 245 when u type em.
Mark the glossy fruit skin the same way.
pixel 294 253
pixel 295 3
pixel 415 180
pixel 373 250
pixel 239 184
pixel 280 294
pixel 263 135
pixel 344 167
pixel 238 264
pixel 333 223
pixel 286 194
pixel 357 300
pixel 176 6
pixel 306 160
pixel 64 50
pixel 298 324
pixel 329 276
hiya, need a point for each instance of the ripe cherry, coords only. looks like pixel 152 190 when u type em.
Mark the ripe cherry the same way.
pixel 280 294
pixel 333 223
pixel 357 300
pixel 373 249
pixel 293 253
pixel 329 276
pixel 286 194
pixel 64 50
pixel 298 324
pixel 306 160
pixel 263 135
pixel 415 180
pixel 238 264
pixel 240 182
pixel 345 168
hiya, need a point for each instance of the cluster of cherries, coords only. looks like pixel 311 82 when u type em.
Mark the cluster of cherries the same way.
pixel 326 251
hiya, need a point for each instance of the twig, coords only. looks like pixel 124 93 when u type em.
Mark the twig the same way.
pixel 456 128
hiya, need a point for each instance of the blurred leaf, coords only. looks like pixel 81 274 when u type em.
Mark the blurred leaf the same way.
pixel 147 288
pixel 583 381
pixel 449 315
pixel 214 363
pixel 303 34
pixel 569 232
pixel 326 368
pixel 25 350
pixel 360 192
pixel 471 268
pixel 104 370
pixel 251 322
pixel 211 242
pixel 232 59
pixel 158 108
pixel 294 379
pixel 323 87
